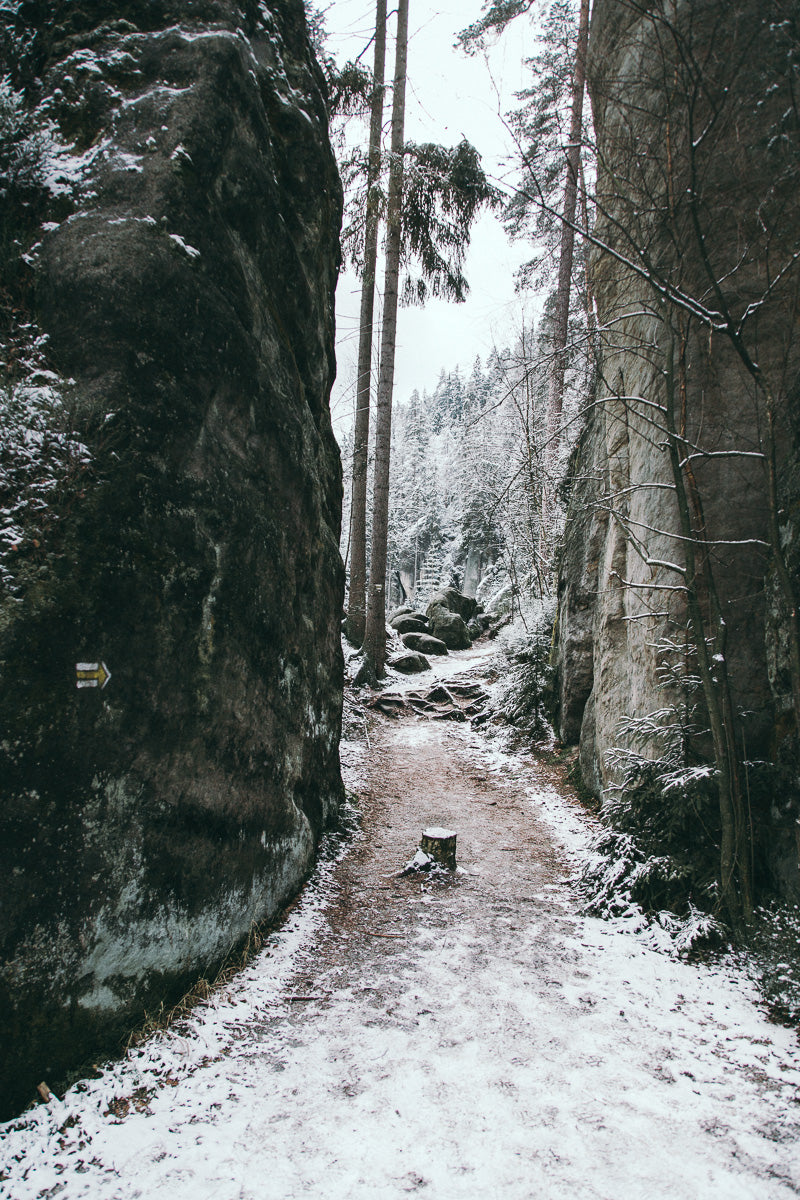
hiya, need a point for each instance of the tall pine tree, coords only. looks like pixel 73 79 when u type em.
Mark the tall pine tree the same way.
pixel 356 605
pixel 375 633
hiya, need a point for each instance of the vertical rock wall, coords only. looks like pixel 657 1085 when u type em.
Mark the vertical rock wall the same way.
pixel 168 324
pixel 730 143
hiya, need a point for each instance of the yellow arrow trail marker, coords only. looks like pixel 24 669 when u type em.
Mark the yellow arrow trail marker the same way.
pixel 94 675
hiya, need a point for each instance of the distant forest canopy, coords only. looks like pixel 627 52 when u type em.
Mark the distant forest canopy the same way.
pixel 469 477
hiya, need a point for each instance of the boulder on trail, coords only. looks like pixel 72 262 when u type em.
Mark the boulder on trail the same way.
pixel 424 643
pixel 409 623
pixel 413 613
pixel 401 611
pixel 409 663
pixel 449 627
pixel 454 601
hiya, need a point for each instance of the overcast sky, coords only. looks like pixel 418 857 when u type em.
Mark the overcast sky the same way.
pixel 449 96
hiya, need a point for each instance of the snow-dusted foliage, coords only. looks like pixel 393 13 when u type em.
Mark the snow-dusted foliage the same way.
pixel 35 164
pixel 467 481
pixel 477 482
pixel 40 456
pixel 525 694
pixel 771 958
pixel 659 846
pixel 23 146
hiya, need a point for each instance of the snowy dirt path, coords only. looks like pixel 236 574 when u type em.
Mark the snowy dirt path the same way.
pixel 464 1035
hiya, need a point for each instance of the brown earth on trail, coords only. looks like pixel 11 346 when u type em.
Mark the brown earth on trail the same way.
pixel 414 770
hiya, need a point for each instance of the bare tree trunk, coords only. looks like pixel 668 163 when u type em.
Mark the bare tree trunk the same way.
pixel 778 556
pixel 708 626
pixel 356 604
pixel 375 635
pixel 735 846
pixel 555 396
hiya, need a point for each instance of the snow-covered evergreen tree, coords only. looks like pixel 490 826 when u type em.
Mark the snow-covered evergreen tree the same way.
pixel 466 484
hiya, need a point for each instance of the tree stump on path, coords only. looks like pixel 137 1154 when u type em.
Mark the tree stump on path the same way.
pixel 440 844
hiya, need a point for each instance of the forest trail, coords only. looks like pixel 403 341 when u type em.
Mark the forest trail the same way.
pixel 463 1034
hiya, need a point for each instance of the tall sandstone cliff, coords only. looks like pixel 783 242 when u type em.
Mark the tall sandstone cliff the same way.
pixel 697 124
pixel 170 499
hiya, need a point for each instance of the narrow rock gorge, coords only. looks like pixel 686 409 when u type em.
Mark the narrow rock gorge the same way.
pixel 171 494
pixel 696 121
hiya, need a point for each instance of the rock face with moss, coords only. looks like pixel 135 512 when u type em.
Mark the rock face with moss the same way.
pixel 169 504
pixel 698 133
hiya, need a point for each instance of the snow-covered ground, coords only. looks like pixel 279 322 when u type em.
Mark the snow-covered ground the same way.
pixel 461 1037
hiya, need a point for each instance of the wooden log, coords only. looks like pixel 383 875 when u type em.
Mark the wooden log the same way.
pixel 441 845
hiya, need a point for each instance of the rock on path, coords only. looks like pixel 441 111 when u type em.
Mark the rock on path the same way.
pixel 463 1035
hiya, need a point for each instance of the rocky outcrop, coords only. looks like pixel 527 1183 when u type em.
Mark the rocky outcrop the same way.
pixel 448 612
pixel 409 623
pixel 424 643
pixel 707 209
pixel 448 627
pixel 408 663
pixel 178 225
pixel 454 601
